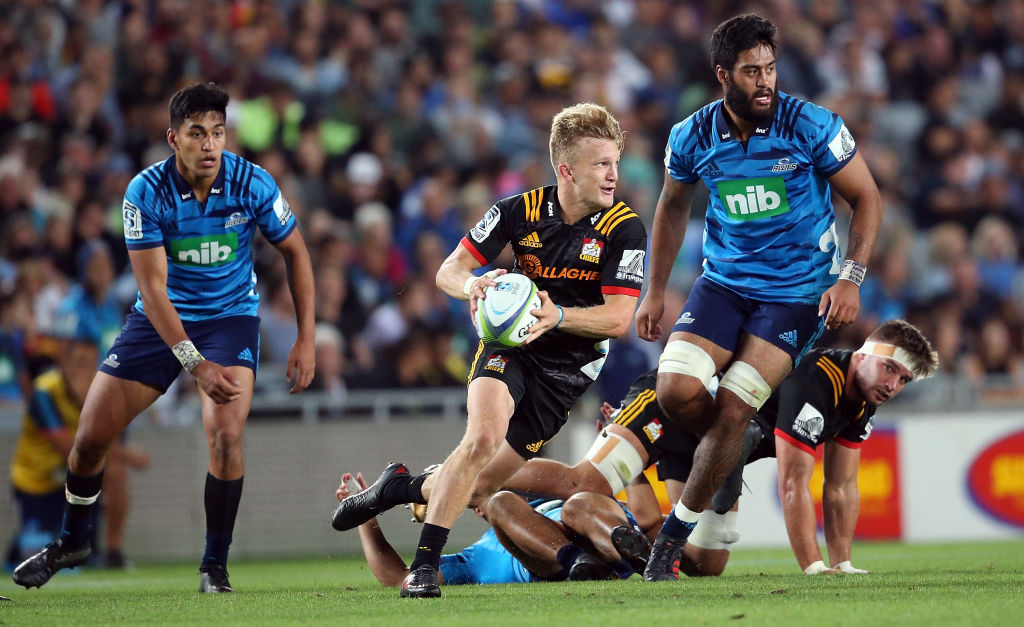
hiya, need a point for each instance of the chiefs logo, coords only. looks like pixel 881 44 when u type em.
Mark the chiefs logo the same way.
pixel 530 265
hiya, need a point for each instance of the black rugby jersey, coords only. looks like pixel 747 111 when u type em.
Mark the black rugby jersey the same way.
pixel 810 406
pixel 602 253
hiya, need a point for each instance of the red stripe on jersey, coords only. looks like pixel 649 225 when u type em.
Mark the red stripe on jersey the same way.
pixel 795 442
pixel 848 443
pixel 615 289
pixel 468 245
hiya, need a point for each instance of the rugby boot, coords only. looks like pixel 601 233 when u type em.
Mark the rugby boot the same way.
pixel 214 579
pixel 421 584
pixel 359 508
pixel 633 547
pixel 588 568
pixel 663 565
pixel 725 497
pixel 37 570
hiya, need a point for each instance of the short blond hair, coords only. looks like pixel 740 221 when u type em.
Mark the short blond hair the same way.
pixel 581 121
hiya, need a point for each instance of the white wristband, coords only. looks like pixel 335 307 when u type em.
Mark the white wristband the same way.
pixel 816 568
pixel 467 287
pixel 847 567
pixel 853 271
pixel 187 354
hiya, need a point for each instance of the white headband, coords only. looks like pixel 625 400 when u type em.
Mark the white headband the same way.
pixel 895 353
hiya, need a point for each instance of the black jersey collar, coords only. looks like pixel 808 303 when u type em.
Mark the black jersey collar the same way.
pixel 185 190
pixel 725 132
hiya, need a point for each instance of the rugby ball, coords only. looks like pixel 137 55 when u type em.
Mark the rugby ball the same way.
pixel 503 316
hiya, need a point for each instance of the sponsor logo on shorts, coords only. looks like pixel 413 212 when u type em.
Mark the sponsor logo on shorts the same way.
pixel 246 355
pixel 631 266
pixel 533 448
pixel 789 337
pixel 132 221
pixel 111 361
pixel 496 363
pixel 486 224
pixel 235 219
pixel 531 241
pixel 809 423
pixel 784 165
pixel 754 199
pixel 591 250
pixel 653 430
pixel 210 250
pixel 686 318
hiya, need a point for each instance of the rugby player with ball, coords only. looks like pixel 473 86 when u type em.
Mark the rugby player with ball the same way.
pixel 583 251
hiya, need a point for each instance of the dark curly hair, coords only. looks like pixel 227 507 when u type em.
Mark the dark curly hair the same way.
pixel 737 34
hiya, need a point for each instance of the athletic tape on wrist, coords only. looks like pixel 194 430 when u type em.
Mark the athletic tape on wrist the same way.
pixel 80 500
pixel 188 355
pixel 467 287
pixel 853 271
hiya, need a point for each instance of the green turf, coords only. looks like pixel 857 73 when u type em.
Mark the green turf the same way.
pixel 958 584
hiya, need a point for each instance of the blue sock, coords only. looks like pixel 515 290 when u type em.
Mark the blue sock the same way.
pixel 622 569
pixel 221 499
pixel 675 528
pixel 78 517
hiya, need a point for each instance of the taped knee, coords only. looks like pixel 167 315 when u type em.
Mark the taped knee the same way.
pixel 682 357
pixel 616 460
pixel 715 531
pixel 746 382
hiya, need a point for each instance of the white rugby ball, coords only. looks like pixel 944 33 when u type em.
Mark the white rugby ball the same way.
pixel 503 316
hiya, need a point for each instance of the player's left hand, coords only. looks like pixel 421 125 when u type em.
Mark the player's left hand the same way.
pixel 347 488
pixel 301 366
pixel 547 317
pixel 849 569
pixel 841 302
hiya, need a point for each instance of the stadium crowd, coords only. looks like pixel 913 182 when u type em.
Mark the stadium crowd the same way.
pixel 392 126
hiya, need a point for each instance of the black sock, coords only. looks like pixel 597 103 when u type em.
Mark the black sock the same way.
pixel 78 517
pixel 404 489
pixel 428 551
pixel 221 499
pixel 566 557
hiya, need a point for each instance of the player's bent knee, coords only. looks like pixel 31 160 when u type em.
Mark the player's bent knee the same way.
pixel 502 502
pixel 746 382
pixel 616 459
pixel 688 359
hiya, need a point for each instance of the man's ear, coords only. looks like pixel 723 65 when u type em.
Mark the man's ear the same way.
pixel 172 139
pixel 564 171
pixel 722 75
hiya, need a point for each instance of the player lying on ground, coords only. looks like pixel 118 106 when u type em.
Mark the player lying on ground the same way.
pixel 530 541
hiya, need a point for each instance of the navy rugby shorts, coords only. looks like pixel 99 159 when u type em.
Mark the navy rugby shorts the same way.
pixel 140 354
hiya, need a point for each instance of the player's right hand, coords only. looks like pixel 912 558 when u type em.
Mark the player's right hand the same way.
pixel 648 318
pixel 347 488
pixel 215 381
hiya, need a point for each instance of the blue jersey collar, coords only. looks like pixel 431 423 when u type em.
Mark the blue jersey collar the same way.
pixel 185 192
pixel 725 133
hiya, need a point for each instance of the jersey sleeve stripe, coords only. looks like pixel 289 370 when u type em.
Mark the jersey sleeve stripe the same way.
pixel 608 216
pixel 836 369
pixel 834 375
pixel 634 409
pixel 468 245
pixel 792 125
pixel 779 433
pixel 848 443
pixel 283 236
pixel 611 227
pixel 617 289
pixel 476 359
pixel 526 203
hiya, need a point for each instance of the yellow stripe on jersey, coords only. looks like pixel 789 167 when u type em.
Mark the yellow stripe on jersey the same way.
pixel 611 226
pixel 604 219
pixel 634 409
pixel 533 199
pixel 835 374
pixel 476 358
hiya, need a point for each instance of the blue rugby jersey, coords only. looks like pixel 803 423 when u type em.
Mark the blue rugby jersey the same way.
pixel 209 260
pixel 770 227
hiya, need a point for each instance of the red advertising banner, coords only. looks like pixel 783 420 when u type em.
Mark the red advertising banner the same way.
pixel 995 480
pixel 878 481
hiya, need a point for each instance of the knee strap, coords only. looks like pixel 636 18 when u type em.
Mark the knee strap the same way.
pixel 616 460
pixel 682 357
pixel 746 382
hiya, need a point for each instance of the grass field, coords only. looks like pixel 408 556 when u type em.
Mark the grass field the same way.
pixel 955 584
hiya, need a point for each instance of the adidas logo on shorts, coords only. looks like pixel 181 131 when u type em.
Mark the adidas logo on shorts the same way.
pixel 789 337
pixel 246 355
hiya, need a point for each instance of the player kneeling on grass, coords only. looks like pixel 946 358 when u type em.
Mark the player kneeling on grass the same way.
pixel 530 541
pixel 831 398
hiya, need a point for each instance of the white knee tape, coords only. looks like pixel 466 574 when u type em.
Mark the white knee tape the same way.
pixel 616 460
pixel 715 531
pixel 746 382
pixel 682 357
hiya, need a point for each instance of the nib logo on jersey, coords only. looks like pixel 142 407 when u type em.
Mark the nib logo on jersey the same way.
pixel 210 250
pixel 754 199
